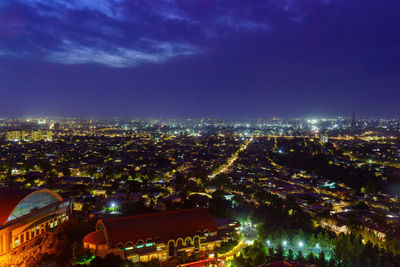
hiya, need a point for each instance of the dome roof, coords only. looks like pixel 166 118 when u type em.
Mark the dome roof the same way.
pixel 96 238
pixel 15 203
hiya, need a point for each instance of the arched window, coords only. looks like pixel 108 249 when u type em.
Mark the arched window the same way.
pixel 120 246
pixel 140 243
pixel 129 245
pixel 196 242
pixel 179 243
pixel 171 248
pixel 188 241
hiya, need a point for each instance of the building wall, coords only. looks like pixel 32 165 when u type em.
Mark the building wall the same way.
pixel 160 251
pixel 23 230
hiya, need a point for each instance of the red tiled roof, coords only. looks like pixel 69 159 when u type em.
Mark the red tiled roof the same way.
pixel 165 225
pixel 96 238
pixel 9 199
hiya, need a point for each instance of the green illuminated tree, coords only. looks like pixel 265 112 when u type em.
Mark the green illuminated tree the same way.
pixel 290 256
pixel 310 258
pixel 300 256
pixel 321 261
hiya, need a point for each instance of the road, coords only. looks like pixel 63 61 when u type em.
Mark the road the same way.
pixel 231 160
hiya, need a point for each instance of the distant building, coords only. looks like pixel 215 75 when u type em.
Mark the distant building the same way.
pixel 14 136
pixel 158 235
pixel 353 121
pixel 324 138
pixel 26 214
pixel 34 136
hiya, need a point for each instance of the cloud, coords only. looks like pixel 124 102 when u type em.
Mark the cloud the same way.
pixel 242 24
pixel 110 8
pixel 125 33
pixel 74 53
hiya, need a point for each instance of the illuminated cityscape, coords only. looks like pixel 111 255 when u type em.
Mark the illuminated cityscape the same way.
pixel 274 187
pixel 197 133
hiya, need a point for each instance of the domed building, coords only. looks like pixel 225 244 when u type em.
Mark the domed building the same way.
pixel 26 214
pixel 160 235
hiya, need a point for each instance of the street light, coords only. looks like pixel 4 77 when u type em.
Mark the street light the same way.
pixel 301 244
pixel 284 242
pixel 113 206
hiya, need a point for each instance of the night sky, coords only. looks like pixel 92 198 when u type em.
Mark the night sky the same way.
pixel 203 58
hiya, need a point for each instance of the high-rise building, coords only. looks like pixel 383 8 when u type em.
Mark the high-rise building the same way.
pixel 49 136
pixel 37 135
pixel 13 136
pixel 324 138
pixel 29 136
pixel 353 121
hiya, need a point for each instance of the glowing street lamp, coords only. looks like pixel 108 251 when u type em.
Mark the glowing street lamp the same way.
pixel 284 242
pixel 301 244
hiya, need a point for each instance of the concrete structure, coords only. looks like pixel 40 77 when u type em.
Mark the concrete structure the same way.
pixel 25 214
pixel 157 235
pixel 33 136
pixel 324 138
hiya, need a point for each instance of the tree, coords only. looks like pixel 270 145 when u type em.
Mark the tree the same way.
pixel 109 260
pixel 310 258
pixel 271 255
pixel 321 261
pixel 255 254
pixel 290 256
pixel 279 253
pixel 332 263
pixel 66 171
pixel 300 256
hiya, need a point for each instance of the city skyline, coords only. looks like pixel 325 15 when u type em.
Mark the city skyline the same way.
pixel 199 59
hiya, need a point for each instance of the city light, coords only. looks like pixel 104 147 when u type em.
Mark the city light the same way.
pixel 301 244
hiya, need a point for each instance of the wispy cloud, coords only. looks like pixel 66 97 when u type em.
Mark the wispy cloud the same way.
pixel 74 53
pixel 242 24
pixel 125 33
pixel 110 8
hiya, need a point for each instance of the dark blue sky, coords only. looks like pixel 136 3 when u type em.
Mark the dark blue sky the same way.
pixel 201 58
